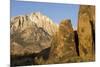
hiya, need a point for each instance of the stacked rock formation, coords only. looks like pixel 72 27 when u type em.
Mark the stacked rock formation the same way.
pixel 86 32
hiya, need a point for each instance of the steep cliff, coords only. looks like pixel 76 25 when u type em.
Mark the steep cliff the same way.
pixel 63 47
pixel 86 32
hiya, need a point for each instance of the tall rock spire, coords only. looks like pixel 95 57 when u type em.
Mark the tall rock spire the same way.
pixel 86 32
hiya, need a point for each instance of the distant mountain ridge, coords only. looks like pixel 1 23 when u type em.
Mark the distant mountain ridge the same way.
pixel 39 19
pixel 31 33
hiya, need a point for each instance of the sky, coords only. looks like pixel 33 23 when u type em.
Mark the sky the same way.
pixel 54 11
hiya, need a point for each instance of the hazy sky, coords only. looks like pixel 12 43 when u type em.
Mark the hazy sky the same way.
pixel 56 12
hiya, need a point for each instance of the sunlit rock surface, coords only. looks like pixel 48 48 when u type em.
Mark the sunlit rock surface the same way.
pixel 86 32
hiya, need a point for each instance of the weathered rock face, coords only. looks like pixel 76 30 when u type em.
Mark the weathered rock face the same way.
pixel 63 45
pixel 86 32
pixel 31 33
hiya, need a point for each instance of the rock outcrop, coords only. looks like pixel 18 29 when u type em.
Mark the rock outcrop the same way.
pixel 63 45
pixel 86 32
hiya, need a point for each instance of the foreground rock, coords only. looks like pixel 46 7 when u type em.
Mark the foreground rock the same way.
pixel 63 45
pixel 86 32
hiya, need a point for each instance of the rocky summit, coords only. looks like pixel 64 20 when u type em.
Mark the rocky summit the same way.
pixel 31 33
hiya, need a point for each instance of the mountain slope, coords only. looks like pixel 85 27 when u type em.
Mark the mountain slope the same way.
pixel 31 33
